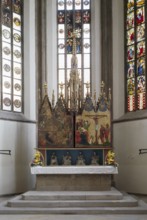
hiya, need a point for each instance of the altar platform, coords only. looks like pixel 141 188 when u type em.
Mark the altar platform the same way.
pixel 74 178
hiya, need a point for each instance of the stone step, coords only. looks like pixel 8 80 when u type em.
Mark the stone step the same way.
pixel 73 195
pixel 85 204
pixel 77 210
pixel 127 201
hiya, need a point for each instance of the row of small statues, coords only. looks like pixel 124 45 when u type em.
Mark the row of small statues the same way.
pixel 67 160
pixel 80 160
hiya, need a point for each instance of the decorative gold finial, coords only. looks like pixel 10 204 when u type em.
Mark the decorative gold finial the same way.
pixel 109 95
pixel 87 87
pixel 94 96
pixel 61 88
pixel 102 87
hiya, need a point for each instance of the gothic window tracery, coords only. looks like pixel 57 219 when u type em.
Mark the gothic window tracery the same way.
pixel 136 80
pixel 73 16
pixel 11 45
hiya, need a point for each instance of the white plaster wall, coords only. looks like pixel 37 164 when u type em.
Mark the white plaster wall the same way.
pixel 96 46
pixel 14 169
pixel 128 137
pixel 20 137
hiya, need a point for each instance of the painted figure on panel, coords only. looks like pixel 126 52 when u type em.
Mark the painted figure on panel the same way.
pixel 97 132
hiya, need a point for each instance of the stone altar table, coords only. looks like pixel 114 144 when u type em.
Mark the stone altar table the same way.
pixel 73 178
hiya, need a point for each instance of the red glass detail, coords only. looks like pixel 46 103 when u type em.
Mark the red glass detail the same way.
pixel 141 100
pixel 131 103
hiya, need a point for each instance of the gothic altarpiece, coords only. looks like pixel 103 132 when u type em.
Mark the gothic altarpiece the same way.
pixel 86 132
pixel 75 131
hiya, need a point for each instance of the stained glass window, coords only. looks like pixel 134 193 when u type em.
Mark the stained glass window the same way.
pixel 136 90
pixel 74 16
pixel 11 66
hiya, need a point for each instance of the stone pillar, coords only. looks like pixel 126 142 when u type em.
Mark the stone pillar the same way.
pixel 41 47
pixel 106 43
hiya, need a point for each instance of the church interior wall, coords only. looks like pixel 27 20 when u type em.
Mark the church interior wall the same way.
pixel 19 136
pixel 128 139
pixel 128 136
pixel 14 169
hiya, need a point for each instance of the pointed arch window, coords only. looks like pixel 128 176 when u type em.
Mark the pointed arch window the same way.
pixel 73 15
pixel 136 61
pixel 11 50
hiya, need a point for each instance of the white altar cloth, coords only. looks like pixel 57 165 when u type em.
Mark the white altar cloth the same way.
pixel 74 170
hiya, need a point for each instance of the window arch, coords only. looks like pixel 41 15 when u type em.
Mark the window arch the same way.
pixel 11 45
pixel 74 15
pixel 135 32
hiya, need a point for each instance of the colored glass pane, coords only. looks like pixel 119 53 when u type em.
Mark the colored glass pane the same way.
pixel 141 66
pixel 17 7
pixel 140 16
pixel 11 54
pixel 140 2
pixel 140 84
pixel 131 103
pixel 130 20
pixel 130 70
pixel 140 32
pixel 131 86
pixel 141 49
pixel 135 55
pixel 73 16
pixel 130 6
pixel 60 4
pixel 78 4
pixel 61 17
pixel 130 36
pixel 131 53
pixel 69 4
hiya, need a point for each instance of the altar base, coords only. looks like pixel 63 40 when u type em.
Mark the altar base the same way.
pixel 74 178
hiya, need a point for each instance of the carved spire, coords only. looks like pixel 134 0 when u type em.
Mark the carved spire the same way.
pixel 74 60
pixel 74 84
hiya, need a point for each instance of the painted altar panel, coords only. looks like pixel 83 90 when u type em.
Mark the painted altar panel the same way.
pixel 55 129
pixel 93 127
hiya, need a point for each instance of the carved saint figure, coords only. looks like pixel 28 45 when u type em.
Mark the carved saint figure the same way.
pixel 80 160
pixel 38 159
pixel 95 159
pixel 54 160
pixel 67 159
